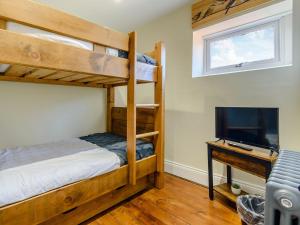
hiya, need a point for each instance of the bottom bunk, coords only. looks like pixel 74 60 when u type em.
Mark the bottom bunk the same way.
pixel 52 182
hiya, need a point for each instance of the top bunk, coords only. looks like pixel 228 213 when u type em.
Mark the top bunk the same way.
pixel 40 44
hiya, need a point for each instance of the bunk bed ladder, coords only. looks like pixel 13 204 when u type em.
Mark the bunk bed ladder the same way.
pixel 158 105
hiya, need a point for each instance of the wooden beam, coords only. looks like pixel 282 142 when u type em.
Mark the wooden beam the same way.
pixel 144 135
pixel 29 51
pixel 44 81
pixel 131 109
pixel 147 105
pixel 41 16
pixel 159 124
pixel 110 99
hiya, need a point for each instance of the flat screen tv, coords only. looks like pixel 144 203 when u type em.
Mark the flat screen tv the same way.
pixel 252 126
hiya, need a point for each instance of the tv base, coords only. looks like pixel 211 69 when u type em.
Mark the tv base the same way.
pixel 241 147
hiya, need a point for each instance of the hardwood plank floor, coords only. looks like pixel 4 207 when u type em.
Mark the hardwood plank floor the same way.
pixel 180 202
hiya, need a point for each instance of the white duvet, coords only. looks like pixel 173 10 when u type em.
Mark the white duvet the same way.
pixel 81 160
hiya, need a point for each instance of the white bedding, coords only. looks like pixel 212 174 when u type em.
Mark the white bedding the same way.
pixel 54 165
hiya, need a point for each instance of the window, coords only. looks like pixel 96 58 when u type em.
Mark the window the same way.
pixel 254 46
pixel 260 39
pixel 243 48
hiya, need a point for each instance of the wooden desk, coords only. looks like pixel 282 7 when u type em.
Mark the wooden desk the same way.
pixel 255 162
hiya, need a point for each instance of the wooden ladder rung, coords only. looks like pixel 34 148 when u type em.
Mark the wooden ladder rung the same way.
pixel 147 134
pixel 147 105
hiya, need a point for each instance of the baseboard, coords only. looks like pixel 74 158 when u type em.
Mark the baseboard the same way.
pixel 201 177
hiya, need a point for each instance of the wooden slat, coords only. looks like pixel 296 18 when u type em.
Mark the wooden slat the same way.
pixel 41 16
pixel 120 127
pixel 93 78
pixel 110 101
pixel 150 134
pixel 146 72
pixel 43 207
pixel 147 105
pixel 107 81
pixel 75 77
pixel 143 115
pixel 18 71
pixel 58 75
pixel 25 50
pixel 39 73
pixel 159 93
pixel 44 81
pixel 131 109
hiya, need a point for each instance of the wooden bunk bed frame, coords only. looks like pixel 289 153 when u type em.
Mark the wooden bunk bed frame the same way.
pixel 40 61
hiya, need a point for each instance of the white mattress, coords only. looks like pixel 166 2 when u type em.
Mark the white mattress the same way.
pixel 29 171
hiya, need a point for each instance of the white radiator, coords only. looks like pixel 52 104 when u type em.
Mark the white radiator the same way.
pixel 283 191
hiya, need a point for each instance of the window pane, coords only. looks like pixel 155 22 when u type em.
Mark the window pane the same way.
pixel 243 48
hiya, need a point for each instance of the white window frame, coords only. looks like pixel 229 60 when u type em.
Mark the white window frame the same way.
pixel 278 22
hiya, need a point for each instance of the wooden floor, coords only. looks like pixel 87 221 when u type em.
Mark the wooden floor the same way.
pixel 180 202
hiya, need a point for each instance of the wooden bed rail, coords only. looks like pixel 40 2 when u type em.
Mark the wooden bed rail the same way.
pixel 46 18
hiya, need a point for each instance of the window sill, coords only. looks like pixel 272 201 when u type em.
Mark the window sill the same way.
pixel 239 71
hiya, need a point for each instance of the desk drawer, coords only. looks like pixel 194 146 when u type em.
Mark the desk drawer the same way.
pixel 249 165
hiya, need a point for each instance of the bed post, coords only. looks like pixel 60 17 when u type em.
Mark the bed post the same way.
pixel 159 124
pixel 131 109
pixel 110 99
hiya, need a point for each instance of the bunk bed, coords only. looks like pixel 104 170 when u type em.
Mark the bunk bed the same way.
pixel 59 49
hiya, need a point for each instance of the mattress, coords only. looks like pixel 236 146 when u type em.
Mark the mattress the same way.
pixel 38 33
pixel 118 145
pixel 29 171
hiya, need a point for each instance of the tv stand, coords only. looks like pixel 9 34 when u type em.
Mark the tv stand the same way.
pixel 240 146
pixel 254 162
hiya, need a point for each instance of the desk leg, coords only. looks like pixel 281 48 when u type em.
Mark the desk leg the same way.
pixel 229 175
pixel 268 171
pixel 210 174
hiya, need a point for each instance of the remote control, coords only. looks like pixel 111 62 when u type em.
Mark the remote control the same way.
pixel 239 146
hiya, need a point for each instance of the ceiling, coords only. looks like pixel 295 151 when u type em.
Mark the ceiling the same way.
pixel 122 15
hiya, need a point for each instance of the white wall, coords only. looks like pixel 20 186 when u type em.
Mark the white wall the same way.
pixel 190 102
pixel 35 113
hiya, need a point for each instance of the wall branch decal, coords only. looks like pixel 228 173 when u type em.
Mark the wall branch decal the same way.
pixel 207 12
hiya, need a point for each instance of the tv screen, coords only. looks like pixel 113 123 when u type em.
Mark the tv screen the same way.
pixel 253 126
